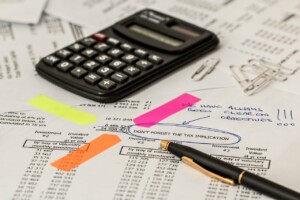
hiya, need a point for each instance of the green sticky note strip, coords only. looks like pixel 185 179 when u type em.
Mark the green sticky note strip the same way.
pixel 62 110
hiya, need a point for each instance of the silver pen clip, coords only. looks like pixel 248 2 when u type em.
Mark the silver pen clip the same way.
pixel 205 68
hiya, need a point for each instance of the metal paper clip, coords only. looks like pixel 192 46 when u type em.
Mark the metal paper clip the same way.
pixel 282 69
pixel 239 75
pixel 262 73
pixel 205 68
pixel 251 86
pixel 273 69
pixel 259 82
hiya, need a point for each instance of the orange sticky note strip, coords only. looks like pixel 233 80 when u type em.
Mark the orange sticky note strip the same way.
pixel 86 152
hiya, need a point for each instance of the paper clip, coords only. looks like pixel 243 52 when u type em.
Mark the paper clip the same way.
pixel 205 68
pixel 259 82
pixel 262 73
pixel 251 86
pixel 239 75
pixel 273 69
pixel 282 69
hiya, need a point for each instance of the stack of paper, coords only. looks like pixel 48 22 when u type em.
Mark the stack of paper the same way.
pixel 58 145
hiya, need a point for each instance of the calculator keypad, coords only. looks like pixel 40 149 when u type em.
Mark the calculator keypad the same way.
pixel 129 58
pixel 78 72
pixel 76 47
pixel 99 37
pixel 103 59
pixel 51 60
pixel 155 59
pixel 116 64
pixel 144 64
pixel 91 65
pixel 119 77
pixel 105 71
pixel 88 41
pixel 103 62
pixel 77 59
pixel 107 84
pixel 126 47
pixel 64 53
pixel 102 47
pixel 116 53
pixel 92 78
pixel 131 71
pixel 89 53
pixel 141 53
pixel 64 66
pixel 112 41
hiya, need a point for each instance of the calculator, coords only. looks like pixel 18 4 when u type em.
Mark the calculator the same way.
pixel 134 52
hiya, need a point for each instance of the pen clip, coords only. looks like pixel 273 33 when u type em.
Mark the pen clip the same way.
pixel 191 163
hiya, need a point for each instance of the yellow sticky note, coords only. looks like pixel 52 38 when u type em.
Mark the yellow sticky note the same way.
pixel 62 110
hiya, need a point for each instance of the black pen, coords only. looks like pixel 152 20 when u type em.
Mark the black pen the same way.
pixel 228 173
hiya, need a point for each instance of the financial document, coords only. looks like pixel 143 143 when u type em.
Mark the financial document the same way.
pixel 233 128
pixel 100 13
pixel 22 11
pixel 94 150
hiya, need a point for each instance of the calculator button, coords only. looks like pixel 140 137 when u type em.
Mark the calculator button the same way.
pixel 126 47
pixel 107 84
pixel 143 64
pixel 51 60
pixel 112 41
pixel 64 54
pixel 140 53
pixel 77 59
pixel 129 58
pixel 155 59
pixel 103 59
pixel 91 65
pixel 131 71
pixel 76 47
pixel 92 78
pixel 78 72
pixel 116 64
pixel 119 77
pixel 101 47
pixel 116 53
pixel 105 71
pixel 100 37
pixel 90 53
pixel 64 66
pixel 88 41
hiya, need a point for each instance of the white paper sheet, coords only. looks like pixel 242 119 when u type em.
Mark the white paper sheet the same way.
pixel 91 13
pixel 258 133
pixel 22 11
pixel 248 30
pixel 22 46
pixel 234 128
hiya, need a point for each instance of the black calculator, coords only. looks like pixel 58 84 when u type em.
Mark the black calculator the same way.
pixel 126 56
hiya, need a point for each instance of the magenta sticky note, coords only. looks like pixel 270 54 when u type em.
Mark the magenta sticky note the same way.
pixel 158 114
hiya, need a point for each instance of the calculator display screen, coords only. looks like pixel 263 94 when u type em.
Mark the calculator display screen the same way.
pixel 155 35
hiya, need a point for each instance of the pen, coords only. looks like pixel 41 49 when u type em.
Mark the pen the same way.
pixel 228 173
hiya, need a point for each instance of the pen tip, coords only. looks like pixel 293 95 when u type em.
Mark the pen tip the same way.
pixel 164 144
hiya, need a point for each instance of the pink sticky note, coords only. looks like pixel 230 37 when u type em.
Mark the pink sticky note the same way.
pixel 156 115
